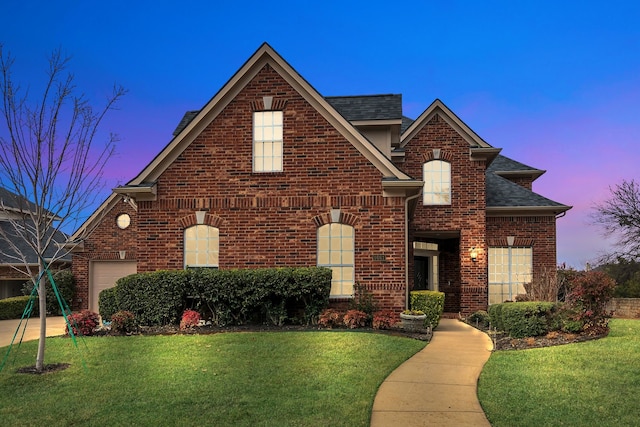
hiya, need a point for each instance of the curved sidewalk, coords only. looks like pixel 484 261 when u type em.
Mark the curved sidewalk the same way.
pixel 55 326
pixel 438 385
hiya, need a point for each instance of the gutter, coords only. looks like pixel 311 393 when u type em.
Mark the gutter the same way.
pixel 406 247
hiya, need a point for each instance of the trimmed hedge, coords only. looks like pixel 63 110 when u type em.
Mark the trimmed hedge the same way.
pixel 228 296
pixel 526 319
pixel 13 308
pixel 429 302
pixel 66 284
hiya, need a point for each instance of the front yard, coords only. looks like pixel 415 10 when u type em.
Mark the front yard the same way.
pixel 585 384
pixel 239 379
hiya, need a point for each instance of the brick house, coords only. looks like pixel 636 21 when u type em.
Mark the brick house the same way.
pixel 18 261
pixel 270 173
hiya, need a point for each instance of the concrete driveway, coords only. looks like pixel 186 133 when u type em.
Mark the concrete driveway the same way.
pixel 8 328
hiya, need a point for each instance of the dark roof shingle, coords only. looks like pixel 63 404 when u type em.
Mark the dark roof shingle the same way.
pixel 368 107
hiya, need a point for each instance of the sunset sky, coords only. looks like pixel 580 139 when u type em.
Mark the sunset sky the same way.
pixel 556 85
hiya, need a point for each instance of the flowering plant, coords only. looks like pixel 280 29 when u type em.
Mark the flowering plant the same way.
pixel 384 319
pixel 330 318
pixel 355 319
pixel 83 323
pixel 190 319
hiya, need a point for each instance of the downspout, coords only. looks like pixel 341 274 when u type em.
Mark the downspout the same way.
pixel 406 248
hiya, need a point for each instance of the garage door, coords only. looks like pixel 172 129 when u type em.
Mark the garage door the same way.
pixel 104 275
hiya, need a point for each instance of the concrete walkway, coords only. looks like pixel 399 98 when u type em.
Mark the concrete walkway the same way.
pixel 438 385
pixel 55 326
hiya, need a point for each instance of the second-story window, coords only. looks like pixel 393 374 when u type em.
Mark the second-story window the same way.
pixel 267 141
pixel 437 183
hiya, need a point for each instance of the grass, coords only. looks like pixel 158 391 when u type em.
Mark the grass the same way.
pixel 590 383
pixel 239 379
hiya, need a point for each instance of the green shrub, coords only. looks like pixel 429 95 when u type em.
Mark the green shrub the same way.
pixel 123 322
pixel 495 315
pixel 480 319
pixel 13 308
pixel 107 303
pixel 66 285
pixel 527 319
pixel 155 299
pixel 429 302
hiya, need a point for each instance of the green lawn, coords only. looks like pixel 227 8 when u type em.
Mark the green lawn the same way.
pixel 231 379
pixel 595 383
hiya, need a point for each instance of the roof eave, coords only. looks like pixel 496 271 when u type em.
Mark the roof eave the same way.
pixel 484 153
pixel 496 211
pixel 401 188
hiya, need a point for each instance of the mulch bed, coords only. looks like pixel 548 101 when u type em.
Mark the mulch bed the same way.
pixel 501 341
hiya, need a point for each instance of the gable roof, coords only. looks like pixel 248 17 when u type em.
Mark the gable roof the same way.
pixel 392 177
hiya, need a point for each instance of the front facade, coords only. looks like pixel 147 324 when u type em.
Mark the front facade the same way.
pixel 270 173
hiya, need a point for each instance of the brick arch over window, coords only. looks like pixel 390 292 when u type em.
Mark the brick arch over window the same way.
pixel 345 218
pixel 209 219
pixel 518 241
pixel 427 156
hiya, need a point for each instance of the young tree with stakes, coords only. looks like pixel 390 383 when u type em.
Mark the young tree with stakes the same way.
pixel 52 165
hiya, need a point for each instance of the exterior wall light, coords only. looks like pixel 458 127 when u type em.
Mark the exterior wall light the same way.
pixel 473 253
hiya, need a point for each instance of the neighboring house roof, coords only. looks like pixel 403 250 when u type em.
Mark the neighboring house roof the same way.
pixel 506 196
pixel 505 166
pixel 406 122
pixel 368 107
pixel 18 205
pixel 9 256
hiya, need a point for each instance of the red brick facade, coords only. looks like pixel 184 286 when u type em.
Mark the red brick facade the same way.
pixel 271 219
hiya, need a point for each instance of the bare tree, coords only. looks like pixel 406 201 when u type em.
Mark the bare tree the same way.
pixel 51 164
pixel 620 216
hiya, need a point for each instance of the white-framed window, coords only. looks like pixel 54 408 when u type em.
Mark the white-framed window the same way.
pixel 336 251
pixel 201 246
pixel 509 269
pixel 437 183
pixel 267 141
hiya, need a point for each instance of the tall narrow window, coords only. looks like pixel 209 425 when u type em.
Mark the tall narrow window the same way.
pixel 437 183
pixel 267 141
pixel 201 246
pixel 336 251
pixel 509 269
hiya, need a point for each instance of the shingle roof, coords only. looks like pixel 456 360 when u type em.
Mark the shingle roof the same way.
pixel 503 193
pixel 7 251
pixel 12 201
pixel 186 119
pixel 368 107
pixel 505 164
pixel 406 122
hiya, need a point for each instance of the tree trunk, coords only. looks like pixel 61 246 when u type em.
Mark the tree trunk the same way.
pixel 42 299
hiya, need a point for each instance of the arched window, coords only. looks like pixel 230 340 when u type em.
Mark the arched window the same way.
pixel 437 183
pixel 336 251
pixel 201 246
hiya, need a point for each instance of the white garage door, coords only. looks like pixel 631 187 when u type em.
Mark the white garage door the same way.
pixel 104 275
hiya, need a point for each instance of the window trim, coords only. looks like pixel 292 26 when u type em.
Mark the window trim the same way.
pixel 277 144
pixel 215 250
pixel 512 282
pixel 433 195
pixel 342 265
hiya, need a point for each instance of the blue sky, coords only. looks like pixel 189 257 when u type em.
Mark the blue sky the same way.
pixel 556 85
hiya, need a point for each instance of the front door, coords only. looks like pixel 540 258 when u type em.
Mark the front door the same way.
pixel 421 273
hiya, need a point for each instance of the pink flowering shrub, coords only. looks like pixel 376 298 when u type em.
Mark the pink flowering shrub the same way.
pixel 384 319
pixel 330 317
pixel 83 323
pixel 355 319
pixel 190 319
pixel 123 322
